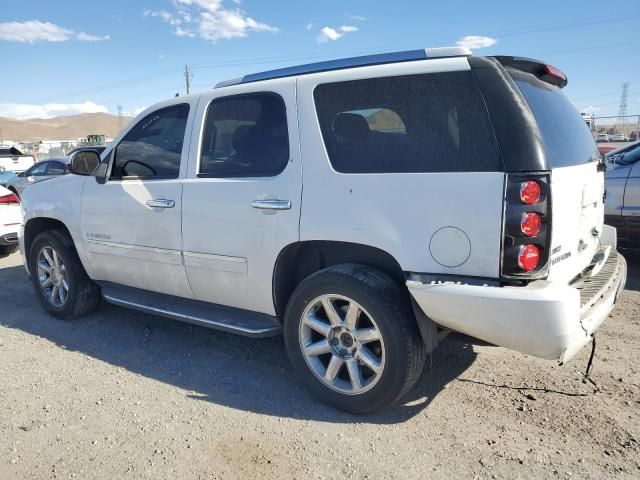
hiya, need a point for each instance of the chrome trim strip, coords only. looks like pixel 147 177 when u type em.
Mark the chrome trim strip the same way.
pixel 210 256
pixel 129 246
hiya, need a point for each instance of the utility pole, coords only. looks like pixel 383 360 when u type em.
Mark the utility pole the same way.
pixel 120 117
pixel 187 77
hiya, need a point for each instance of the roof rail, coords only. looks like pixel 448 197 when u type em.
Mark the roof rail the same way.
pixel 367 60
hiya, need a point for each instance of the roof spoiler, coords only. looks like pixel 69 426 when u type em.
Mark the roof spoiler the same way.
pixel 541 70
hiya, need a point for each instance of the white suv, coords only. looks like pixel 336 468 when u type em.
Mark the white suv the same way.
pixel 359 207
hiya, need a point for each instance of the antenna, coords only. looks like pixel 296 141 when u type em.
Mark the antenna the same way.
pixel 622 111
pixel 187 77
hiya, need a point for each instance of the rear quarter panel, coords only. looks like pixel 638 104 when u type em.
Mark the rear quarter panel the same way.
pixel 401 212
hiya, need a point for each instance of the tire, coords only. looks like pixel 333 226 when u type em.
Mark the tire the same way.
pixel 83 295
pixel 385 312
pixel 6 250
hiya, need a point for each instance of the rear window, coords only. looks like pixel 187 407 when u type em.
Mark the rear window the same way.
pixel 564 132
pixel 416 123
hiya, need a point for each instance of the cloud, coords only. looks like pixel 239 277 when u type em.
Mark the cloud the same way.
pixel 359 18
pixel 309 26
pixel 590 110
pixel 329 33
pixel 85 37
pixel 210 20
pixel 476 41
pixel 24 111
pixel 34 31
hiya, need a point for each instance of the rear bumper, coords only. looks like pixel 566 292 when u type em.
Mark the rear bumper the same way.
pixel 544 319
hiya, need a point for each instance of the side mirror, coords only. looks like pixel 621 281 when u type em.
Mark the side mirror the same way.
pixel 84 163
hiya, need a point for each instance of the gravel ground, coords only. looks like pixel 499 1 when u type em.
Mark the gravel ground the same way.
pixel 121 394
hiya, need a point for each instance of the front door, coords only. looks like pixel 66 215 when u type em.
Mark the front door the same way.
pixel 131 221
pixel 241 200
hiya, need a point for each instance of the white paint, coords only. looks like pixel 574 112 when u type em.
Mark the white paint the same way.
pixel 450 247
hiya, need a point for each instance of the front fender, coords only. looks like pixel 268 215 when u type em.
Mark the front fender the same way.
pixel 58 199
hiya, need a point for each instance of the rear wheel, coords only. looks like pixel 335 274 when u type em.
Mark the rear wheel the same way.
pixel 351 335
pixel 58 277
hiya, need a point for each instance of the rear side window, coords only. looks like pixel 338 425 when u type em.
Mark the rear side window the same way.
pixel 56 168
pixel 245 136
pixel 153 147
pixel 417 123
pixel 565 134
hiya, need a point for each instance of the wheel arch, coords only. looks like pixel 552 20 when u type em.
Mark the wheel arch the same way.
pixel 36 226
pixel 299 260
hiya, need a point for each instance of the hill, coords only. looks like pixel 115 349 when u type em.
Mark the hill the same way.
pixel 61 128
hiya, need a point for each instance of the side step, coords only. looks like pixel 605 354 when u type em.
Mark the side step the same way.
pixel 219 317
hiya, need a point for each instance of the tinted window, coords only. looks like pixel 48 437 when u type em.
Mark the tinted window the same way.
pixel 37 170
pixel 56 168
pixel 564 132
pixel 417 123
pixel 152 149
pixel 245 136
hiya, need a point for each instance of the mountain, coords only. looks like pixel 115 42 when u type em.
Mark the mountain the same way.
pixel 68 127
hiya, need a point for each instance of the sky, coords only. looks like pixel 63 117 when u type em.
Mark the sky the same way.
pixel 77 56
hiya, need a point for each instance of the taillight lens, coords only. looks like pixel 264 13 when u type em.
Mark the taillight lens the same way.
pixel 530 224
pixel 528 257
pixel 530 192
pixel 9 199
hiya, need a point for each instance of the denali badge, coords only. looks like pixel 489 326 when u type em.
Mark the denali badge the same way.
pixel 564 256
pixel 98 236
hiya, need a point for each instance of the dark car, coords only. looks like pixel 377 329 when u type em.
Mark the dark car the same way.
pixel 97 149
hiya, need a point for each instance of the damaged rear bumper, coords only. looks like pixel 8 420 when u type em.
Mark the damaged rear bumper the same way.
pixel 544 319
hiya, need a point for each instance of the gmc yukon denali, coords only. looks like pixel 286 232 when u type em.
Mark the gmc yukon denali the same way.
pixel 361 208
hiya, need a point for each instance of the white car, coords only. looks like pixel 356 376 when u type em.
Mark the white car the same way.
pixel 619 137
pixel 358 207
pixel 10 221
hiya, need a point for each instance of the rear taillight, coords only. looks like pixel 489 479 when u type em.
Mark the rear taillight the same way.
pixel 10 199
pixel 530 192
pixel 530 224
pixel 527 225
pixel 528 257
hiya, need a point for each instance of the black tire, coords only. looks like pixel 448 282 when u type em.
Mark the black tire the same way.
pixel 83 296
pixel 6 250
pixel 385 301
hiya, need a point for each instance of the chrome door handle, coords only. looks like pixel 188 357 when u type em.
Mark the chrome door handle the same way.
pixel 161 203
pixel 271 204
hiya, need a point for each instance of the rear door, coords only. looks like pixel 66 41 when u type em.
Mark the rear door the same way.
pixel 577 187
pixel 241 201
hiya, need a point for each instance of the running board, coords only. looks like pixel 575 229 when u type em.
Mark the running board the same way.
pixel 219 317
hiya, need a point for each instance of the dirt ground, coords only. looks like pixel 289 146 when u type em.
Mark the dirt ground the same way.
pixel 123 395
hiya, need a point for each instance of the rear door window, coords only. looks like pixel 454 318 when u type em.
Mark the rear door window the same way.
pixel 245 136
pixel 565 134
pixel 56 168
pixel 416 123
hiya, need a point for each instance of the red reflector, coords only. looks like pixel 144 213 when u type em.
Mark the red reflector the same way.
pixel 12 198
pixel 530 192
pixel 554 72
pixel 528 257
pixel 531 224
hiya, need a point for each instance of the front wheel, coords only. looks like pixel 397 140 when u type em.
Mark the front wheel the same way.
pixel 351 335
pixel 59 279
